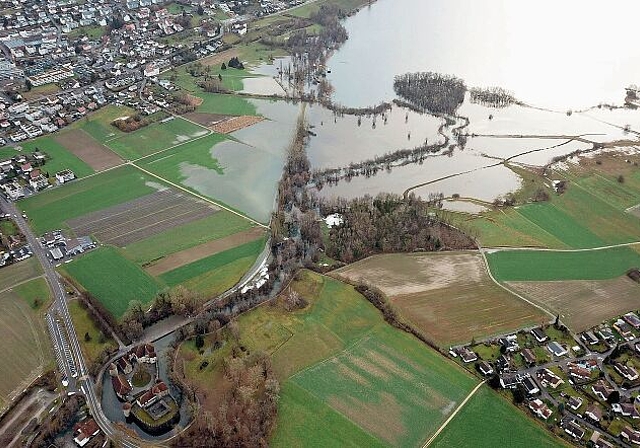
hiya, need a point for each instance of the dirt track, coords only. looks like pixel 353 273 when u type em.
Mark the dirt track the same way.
pixel 97 156
pixel 196 253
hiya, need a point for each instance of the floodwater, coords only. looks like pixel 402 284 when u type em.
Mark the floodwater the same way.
pixel 251 161
pixel 340 140
pixel 563 55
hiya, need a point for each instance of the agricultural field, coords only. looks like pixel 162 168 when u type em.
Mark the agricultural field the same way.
pixel 583 304
pixel 60 157
pixel 19 272
pixel 84 325
pixel 218 103
pixel 35 292
pixel 155 137
pixel 98 124
pixel 87 149
pixel 348 379
pixel 139 218
pixel 196 253
pixel 51 209
pixel 126 280
pixel 532 265
pixel 216 273
pixel 488 420
pixel 448 297
pixel 153 248
pixel 25 348
pixel 592 212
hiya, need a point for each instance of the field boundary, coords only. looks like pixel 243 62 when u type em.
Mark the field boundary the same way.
pixel 452 416
pixel 541 249
pixel 199 196
pixel 488 268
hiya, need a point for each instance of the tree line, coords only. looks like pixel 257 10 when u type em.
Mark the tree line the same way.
pixel 492 97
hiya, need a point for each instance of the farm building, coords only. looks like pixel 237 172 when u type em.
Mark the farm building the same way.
pixel 56 253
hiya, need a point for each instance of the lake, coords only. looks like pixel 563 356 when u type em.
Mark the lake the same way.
pixel 561 55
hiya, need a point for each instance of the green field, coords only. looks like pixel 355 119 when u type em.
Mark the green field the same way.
pixel 98 124
pixel 60 157
pixel 218 225
pixel 35 292
pixel 231 78
pixel 19 272
pixel 534 265
pixel 209 265
pixel 487 420
pixel 112 279
pixel 83 325
pixel 309 419
pixel 348 378
pixel 198 152
pixel 154 138
pixel 50 209
pixel 216 103
pixel 560 225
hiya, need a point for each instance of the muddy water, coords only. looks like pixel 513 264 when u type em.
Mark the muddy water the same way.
pixel 569 54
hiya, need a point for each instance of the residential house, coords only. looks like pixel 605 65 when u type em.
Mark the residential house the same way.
pixel 578 373
pixel 633 320
pixel 13 190
pixel 530 386
pixel 485 368
pixel 503 363
pixel 549 379
pixel 556 349
pixel 594 412
pixel 540 409
pixel 626 410
pixel 528 356
pixel 65 176
pixel 626 372
pixel 602 390
pixel 598 441
pixel 510 343
pixel 630 435
pixel 623 328
pixel 589 338
pixel 467 355
pixel 574 403
pixel 37 181
pixel 539 334
pixel 144 353
pixel 573 429
pixel 509 381
pixel 607 335
pixel 84 431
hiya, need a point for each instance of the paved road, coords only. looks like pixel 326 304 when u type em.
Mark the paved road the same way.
pixel 83 384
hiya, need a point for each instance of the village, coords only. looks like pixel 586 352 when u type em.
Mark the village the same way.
pixel 61 61
pixel 585 387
